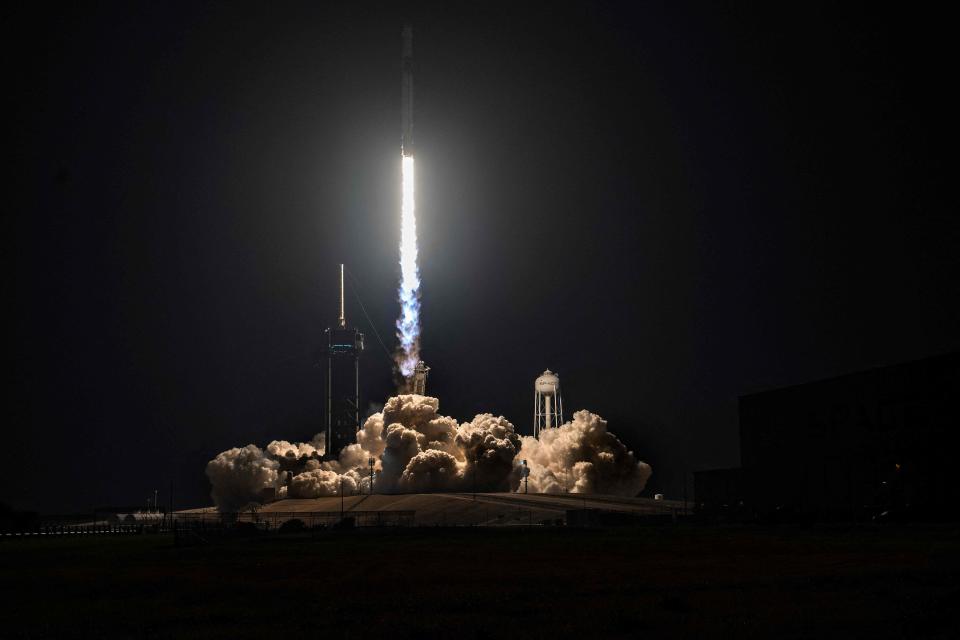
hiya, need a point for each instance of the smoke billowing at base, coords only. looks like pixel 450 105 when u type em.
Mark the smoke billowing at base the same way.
pixel 416 450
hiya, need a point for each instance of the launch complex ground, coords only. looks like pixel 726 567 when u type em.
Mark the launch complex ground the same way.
pixel 449 509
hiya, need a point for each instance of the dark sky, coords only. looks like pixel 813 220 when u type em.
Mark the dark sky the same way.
pixel 671 206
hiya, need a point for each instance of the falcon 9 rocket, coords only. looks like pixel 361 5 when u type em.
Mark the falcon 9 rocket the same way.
pixel 406 92
pixel 408 324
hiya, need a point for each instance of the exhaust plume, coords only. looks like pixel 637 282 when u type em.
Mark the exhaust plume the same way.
pixel 408 324
pixel 418 450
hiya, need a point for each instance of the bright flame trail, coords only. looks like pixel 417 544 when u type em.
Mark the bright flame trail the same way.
pixel 408 324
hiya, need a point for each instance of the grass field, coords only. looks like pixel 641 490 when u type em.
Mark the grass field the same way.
pixel 674 581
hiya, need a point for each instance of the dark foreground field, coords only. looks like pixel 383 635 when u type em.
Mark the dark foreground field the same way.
pixel 476 583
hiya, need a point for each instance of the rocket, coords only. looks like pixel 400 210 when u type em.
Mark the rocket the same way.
pixel 406 92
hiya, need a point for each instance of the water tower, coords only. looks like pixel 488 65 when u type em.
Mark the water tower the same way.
pixel 548 405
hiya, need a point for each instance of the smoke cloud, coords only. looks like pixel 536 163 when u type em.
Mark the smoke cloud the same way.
pixel 415 449
pixel 583 457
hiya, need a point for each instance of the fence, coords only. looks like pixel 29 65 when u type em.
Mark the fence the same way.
pixel 75 529
pixel 311 519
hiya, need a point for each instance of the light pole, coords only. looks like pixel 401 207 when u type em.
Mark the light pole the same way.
pixel 476 465
pixel 371 461
pixel 341 497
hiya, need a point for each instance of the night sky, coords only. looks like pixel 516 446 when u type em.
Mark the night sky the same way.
pixel 669 206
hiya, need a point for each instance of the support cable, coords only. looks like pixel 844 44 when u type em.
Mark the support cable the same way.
pixel 354 287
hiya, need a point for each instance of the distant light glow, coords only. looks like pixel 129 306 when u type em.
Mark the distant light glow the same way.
pixel 408 324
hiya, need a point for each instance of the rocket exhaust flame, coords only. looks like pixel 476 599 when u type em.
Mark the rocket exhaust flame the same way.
pixel 408 324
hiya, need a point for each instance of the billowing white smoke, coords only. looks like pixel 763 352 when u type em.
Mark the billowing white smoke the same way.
pixel 583 457
pixel 415 449
pixel 239 476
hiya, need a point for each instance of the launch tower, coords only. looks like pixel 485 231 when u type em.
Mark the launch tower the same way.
pixel 341 354
pixel 420 378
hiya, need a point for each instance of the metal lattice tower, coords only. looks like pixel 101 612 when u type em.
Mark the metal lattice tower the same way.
pixel 341 355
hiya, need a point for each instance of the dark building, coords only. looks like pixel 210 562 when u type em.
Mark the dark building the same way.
pixel 718 491
pixel 854 446
pixel 341 355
